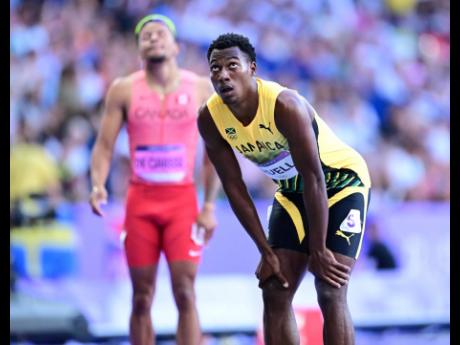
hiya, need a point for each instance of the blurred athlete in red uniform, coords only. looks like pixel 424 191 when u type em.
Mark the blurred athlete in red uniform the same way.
pixel 159 105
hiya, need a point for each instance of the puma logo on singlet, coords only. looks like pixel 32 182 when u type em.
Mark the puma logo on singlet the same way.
pixel 341 234
pixel 261 125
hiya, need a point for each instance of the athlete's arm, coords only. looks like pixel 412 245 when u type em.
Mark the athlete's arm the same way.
pixel 207 218
pixel 112 121
pixel 294 121
pixel 228 169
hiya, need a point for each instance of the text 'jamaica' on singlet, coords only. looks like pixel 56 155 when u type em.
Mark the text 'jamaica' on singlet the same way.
pixel 263 144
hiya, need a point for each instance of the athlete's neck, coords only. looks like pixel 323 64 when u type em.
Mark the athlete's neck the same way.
pixel 163 77
pixel 246 109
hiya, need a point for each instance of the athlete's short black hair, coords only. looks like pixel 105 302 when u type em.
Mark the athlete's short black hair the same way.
pixel 233 40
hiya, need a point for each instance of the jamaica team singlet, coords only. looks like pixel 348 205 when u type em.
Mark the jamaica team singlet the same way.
pixel 263 144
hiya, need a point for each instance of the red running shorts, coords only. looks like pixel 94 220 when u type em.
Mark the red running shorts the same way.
pixel 161 218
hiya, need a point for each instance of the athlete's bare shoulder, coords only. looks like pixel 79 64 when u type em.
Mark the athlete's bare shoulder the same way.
pixel 290 97
pixel 120 88
pixel 203 113
pixel 290 100
pixel 127 81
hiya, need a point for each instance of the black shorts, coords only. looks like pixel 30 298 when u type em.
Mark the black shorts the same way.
pixel 287 225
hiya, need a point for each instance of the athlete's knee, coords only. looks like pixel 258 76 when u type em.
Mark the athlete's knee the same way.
pixel 275 295
pixel 328 294
pixel 142 303
pixel 184 295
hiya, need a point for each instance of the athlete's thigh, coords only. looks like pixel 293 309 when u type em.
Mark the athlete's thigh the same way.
pixel 180 239
pixel 293 265
pixel 143 279
pixel 182 274
pixel 142 239
pixel 287 237
pixel 287 223
pixel 347 217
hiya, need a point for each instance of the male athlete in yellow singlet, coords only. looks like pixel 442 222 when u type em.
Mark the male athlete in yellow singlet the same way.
pixel 319 210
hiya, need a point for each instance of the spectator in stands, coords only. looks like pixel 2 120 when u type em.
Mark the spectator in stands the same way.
pixel 378 250
pixel 389 66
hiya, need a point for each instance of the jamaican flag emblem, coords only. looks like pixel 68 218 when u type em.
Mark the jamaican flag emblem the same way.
pixel 231 133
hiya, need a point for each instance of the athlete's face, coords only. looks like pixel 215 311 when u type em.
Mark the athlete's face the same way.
pixel 231 73
pixel 156 42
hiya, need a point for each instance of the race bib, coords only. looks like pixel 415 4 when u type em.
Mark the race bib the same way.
pixel 160 163
pixel 352 222
pixel 279 168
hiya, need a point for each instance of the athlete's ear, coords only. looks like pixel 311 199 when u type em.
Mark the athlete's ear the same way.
pixel 253 67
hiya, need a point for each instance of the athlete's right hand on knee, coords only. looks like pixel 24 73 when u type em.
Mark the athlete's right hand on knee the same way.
pixel 323 265
pixel 269 266
pixel 97 198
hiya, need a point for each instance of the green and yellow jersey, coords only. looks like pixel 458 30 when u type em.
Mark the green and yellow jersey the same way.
pixel 263 144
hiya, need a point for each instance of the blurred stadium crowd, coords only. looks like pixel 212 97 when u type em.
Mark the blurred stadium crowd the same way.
pixel 377 71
